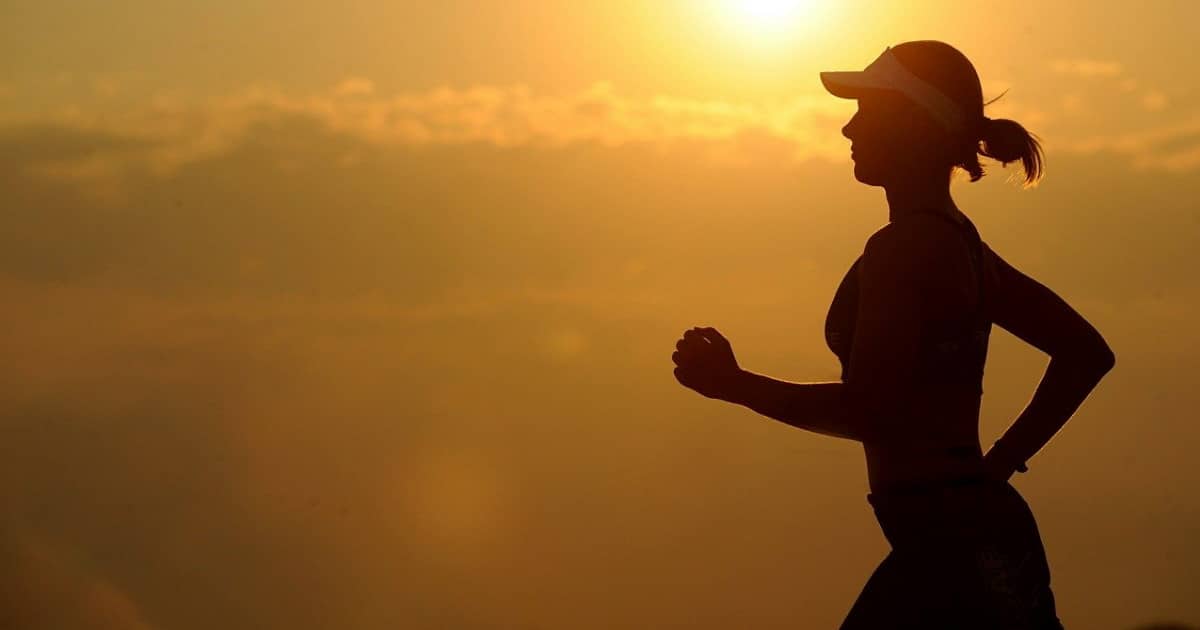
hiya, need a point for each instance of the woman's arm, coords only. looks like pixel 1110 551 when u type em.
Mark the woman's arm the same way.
pixel 817 407
pixel 874 401
pixel 1079 358
pixel 1067 382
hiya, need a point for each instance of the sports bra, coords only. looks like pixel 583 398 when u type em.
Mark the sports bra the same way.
pixel 952 353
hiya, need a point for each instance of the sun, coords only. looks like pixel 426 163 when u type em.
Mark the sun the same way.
pixel 764 16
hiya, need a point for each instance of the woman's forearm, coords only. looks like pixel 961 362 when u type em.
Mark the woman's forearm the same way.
pixel 817 407
pixel 1065 386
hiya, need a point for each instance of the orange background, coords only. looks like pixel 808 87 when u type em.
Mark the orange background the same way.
pixel 359 315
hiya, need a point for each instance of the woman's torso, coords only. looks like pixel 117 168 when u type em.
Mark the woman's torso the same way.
pixel 949 371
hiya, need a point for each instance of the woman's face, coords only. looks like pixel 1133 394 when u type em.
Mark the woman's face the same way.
pixel 892 139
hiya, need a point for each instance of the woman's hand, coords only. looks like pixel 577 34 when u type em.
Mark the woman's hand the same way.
pixel 1000 466
pixel 705 363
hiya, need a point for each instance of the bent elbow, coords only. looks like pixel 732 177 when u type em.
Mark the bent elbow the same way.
pixel 1102 357
pixel 1096 359
pixel 1109 360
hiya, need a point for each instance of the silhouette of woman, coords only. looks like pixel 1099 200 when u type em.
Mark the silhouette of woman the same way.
pixel 910 324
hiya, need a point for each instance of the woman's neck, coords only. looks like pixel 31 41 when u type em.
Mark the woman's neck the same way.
pixel 914 196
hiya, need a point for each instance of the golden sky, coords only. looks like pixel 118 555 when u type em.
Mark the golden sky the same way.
pixel 359 315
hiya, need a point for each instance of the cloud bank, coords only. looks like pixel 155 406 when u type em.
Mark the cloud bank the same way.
pixel 167 132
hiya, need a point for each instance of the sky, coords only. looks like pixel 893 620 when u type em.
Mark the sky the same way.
pixel 360 315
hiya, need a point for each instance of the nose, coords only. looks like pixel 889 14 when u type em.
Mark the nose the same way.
pixel 849 127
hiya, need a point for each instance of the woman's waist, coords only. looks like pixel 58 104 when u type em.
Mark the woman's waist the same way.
pixel 930 418
pixel 896 465
pixel 953 512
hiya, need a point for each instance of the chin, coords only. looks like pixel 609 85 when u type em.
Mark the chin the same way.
pixel 867 175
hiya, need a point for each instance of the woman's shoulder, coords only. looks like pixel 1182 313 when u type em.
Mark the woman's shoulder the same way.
pixel 930 251
pixel 927 227
pixel 922 238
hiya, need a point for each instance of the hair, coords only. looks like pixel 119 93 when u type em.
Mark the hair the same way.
pixel 1001 139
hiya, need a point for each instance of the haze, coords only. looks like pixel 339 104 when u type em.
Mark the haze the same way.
pixel 359 315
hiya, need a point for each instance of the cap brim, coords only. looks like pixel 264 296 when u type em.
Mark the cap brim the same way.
pixel 850 84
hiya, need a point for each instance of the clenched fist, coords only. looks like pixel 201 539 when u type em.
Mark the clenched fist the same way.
pixel 704 362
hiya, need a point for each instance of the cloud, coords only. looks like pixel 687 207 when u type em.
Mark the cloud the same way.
pixel 355 86
pixel 171 132
pixel 1172 147
pixel 160 135
pixel 1087 68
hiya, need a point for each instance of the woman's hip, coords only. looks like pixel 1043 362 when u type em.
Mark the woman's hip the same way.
pixel 968 548
pixel 946 514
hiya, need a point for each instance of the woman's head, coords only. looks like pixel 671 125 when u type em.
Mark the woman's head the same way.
pixel 920 114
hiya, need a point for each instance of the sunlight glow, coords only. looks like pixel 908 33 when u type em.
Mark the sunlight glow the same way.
pixel 766 16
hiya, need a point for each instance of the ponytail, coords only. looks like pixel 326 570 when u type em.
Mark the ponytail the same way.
pixel 1007 141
